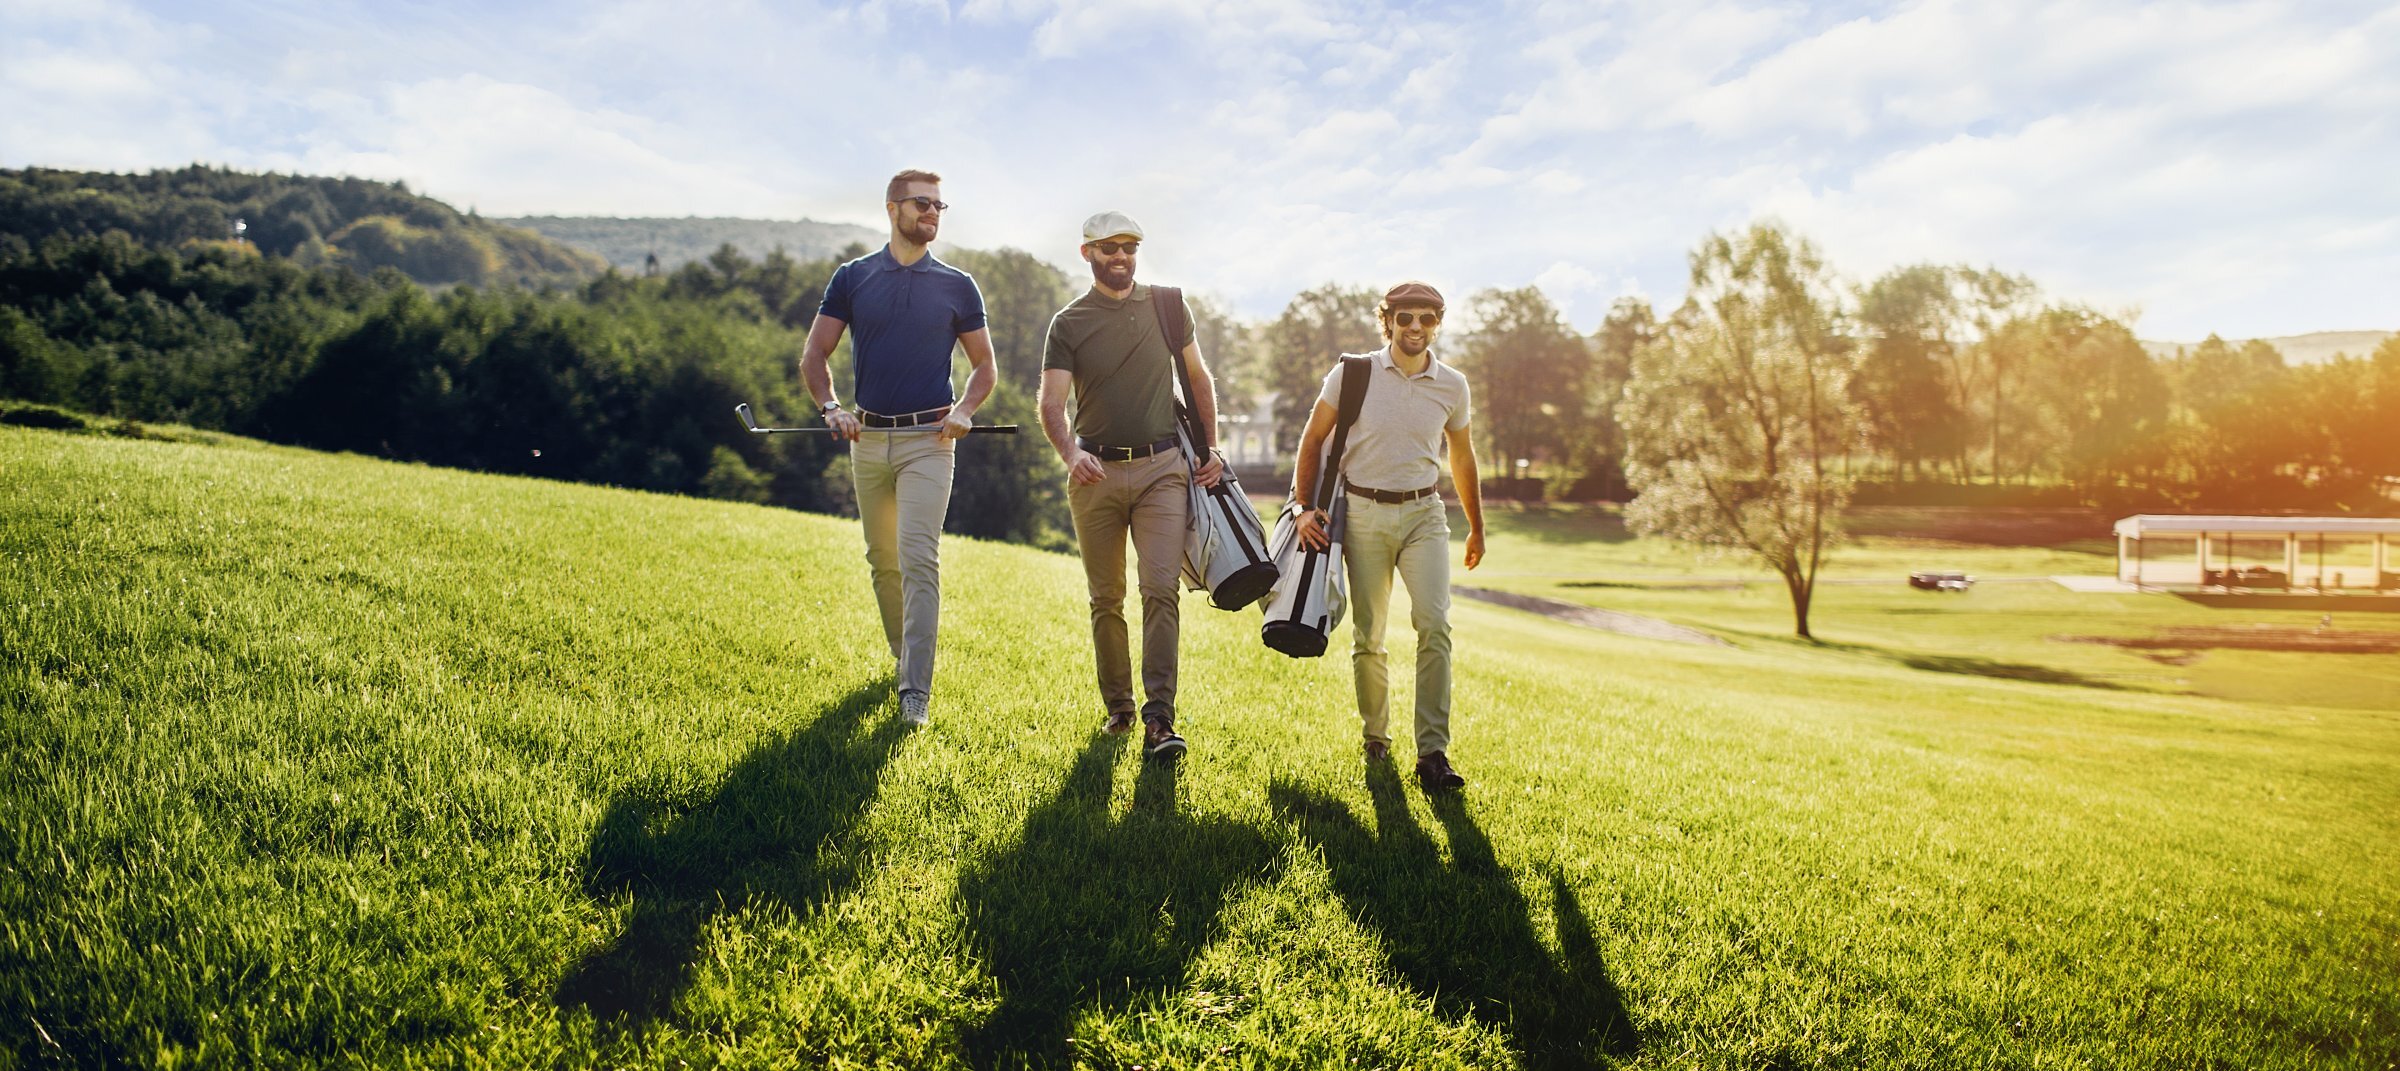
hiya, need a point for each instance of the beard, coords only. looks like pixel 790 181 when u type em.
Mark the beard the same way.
pixel 1113 274
pixel 1416 348
pixel 920 231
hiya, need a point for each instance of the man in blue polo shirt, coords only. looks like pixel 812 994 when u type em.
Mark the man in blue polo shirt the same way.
pixel 905 311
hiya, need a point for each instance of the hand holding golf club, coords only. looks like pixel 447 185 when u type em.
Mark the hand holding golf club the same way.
pixel 844 424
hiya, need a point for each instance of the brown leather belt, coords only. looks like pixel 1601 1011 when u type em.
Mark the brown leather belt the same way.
pixel 1124 453
pixel 1394 498
pixel 878 420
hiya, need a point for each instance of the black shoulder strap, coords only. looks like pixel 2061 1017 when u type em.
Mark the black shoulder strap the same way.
pixel 1167 302
pixel 1355 372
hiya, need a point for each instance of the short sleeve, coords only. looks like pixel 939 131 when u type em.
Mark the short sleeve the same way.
pixel 969 316
pixel 1056 353
pixel 1331 392
pixel 837 295
pixel 1465 409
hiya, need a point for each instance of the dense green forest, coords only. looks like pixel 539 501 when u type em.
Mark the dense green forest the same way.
pixel 629 243
pixel 349 222
pixel 117 299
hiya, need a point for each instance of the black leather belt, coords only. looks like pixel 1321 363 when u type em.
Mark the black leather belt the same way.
pixel 1394 498
pixel 1124 453
pixel 878 420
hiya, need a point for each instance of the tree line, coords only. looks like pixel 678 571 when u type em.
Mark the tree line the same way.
pixel 1957 384
pixel 357 223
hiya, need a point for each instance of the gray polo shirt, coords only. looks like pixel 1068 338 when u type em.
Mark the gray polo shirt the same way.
pixel 1397 444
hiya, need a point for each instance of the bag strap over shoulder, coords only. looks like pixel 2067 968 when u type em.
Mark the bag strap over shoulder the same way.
pixel 1167 302
pixel 1355 373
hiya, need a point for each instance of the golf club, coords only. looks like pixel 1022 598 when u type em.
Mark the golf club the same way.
pixel 749 421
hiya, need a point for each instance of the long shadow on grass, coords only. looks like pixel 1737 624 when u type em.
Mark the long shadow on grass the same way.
pixel 761 836
pixel 1094 910
pixel 1966 665
pixel 1460 931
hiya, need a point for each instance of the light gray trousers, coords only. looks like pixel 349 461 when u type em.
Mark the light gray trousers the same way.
pixel 903 485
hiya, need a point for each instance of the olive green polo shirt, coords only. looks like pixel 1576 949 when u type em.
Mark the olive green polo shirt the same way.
pixel 1124 366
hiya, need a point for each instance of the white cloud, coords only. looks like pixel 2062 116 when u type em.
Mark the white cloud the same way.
pixel 2225 165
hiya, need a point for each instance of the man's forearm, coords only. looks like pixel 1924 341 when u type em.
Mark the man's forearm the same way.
pixel 1470 490
pixel 979 385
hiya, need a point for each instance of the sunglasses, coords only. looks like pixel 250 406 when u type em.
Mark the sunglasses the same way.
pixel 924 204
pixel 1412 319
pixel 1110 249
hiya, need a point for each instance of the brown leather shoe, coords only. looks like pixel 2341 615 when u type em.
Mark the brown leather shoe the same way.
pixel 1160 739
pixel 1378 751
pixel 1120 722
pixel 1433 770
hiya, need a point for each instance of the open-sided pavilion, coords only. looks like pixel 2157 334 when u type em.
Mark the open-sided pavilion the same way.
pixel 2318 553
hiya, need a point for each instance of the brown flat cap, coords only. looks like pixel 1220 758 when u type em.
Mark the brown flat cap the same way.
pixel 1412 292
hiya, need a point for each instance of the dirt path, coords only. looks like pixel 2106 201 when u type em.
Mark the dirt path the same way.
pixel 1649 628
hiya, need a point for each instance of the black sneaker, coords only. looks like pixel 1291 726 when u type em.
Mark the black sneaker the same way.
pixel 1120 722
pixel 1433 770
pixel 1159 738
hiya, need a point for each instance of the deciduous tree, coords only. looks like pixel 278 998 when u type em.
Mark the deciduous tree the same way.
pixel 1737 418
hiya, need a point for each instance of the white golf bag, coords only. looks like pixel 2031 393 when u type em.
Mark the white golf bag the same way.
pixel 1224 546
pixel 1311 591
pixel 1225 551
pixel 1312 594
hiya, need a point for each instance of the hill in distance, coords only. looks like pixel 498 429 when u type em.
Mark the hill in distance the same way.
pixel 628 243
pixel 2316 347
pixel 360 223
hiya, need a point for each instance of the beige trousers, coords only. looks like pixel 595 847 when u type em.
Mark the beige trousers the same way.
pixel 903 485
pixel 1149 498
pixel 1412 538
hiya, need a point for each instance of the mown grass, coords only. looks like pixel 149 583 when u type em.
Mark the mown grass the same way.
pixel 323 760
pixel 2014 624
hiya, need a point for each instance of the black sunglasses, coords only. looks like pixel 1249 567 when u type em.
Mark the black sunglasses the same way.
pixel 1110 249
pixel 1411 319
pixel 924 204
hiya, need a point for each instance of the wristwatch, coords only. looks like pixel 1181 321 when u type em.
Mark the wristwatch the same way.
pixel 828 407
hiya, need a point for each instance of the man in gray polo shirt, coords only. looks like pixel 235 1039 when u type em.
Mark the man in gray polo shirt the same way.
pixel 1416 409
pixel 905 311
pixel 1125 475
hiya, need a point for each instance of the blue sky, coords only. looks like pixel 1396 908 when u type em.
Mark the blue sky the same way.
pixel 2229 167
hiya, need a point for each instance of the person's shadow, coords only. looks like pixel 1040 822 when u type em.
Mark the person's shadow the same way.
pixel 758 837
pixel 1091 909
pixel 1460 931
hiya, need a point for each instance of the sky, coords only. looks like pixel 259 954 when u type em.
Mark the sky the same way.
pixel 2207 167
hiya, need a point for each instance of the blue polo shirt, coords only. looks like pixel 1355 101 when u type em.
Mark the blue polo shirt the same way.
pixel 904 320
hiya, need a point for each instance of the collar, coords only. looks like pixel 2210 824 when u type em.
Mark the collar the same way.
pixel 1383 359
pixel 885 261
pixel 1140 292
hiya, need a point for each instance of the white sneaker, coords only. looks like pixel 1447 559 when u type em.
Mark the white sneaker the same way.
pixel 915 708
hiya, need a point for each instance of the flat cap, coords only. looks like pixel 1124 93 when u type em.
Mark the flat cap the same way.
pixel 1110 224
pixel 1412 292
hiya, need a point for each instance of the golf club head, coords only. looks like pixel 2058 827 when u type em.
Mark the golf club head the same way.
pixel 742 409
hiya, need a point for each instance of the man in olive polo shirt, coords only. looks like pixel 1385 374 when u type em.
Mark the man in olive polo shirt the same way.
pixel 905 312
pixel 1416 410
pixel 1125 475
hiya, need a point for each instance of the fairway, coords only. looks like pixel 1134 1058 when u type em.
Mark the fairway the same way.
pixel 313 759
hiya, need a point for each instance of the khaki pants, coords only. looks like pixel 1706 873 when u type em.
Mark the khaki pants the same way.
pixel 1150 498
pixel 1412 538
pixel 903 484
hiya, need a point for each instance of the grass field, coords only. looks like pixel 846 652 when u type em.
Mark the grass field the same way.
pixel 2009 626
pixel 323 760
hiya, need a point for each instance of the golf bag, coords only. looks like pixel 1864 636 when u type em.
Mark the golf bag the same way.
pixel 1309 599
pixel 1225 546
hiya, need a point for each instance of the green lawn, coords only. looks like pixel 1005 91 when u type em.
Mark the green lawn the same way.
pixel 324 760
pixel 2010 625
